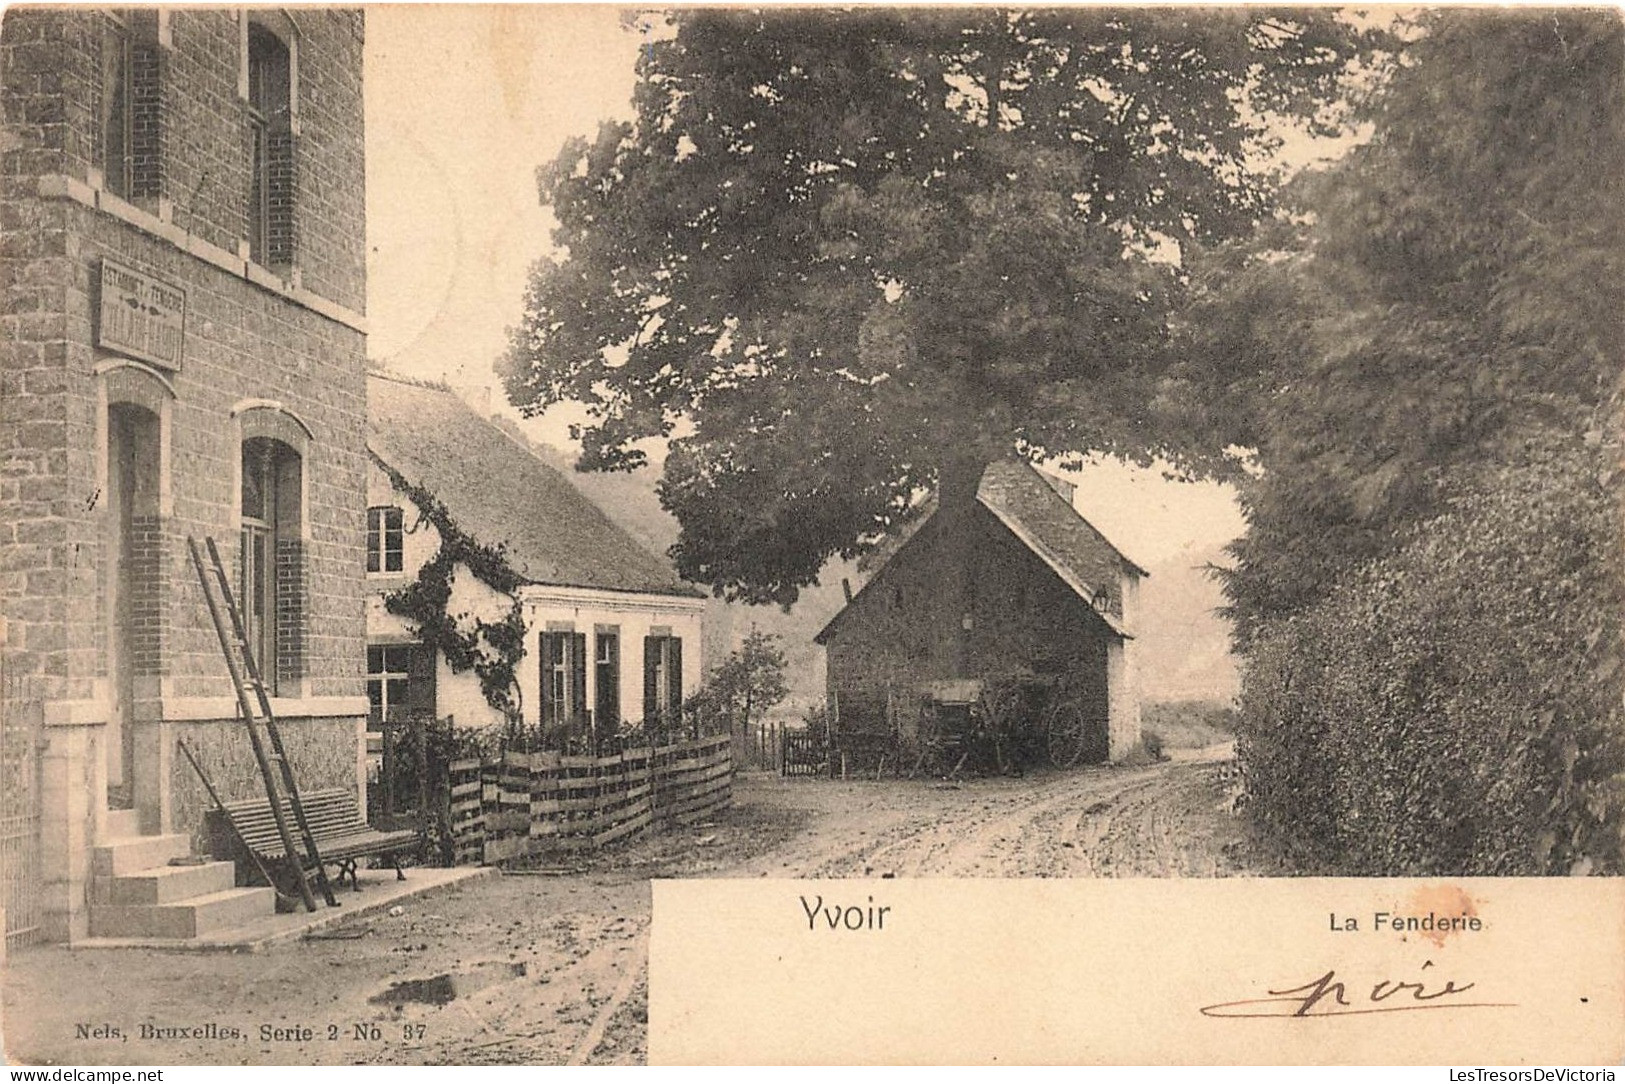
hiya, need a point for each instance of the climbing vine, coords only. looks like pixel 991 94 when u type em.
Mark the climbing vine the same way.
pixel 491 649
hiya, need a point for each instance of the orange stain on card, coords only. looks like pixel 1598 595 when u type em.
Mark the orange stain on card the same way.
pixel 1444 901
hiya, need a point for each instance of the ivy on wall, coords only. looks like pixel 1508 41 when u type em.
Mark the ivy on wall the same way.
pixel 491 649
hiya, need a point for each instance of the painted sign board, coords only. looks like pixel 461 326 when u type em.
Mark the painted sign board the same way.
pixel 140 316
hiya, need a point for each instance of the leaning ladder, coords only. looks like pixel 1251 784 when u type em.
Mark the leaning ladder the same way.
pixel 245 676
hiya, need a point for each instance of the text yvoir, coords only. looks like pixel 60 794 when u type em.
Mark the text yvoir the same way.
pixel 1137 971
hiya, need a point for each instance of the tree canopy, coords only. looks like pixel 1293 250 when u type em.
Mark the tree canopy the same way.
pixel 749 683
pixel 1426 352
pixel 836 249
pixel 1441 306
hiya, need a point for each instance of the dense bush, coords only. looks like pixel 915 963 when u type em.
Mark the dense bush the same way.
pixel 1455 707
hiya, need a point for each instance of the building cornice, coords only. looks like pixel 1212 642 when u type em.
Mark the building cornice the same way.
pixel 62 186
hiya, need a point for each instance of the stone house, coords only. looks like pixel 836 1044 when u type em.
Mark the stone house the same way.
pixel 1004 576
pixel 606 633
pixel 182 353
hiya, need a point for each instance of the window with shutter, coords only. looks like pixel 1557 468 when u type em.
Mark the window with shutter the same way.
pixel 662 678
pixel 651 679
pixel 564 678
pixel 607 680
pixel 578 678
pixel 674 679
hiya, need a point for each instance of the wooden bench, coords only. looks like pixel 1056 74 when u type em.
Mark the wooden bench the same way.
pixel 342 835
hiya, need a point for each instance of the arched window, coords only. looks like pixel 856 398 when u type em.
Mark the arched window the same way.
pixel 133 496
pixel 271 570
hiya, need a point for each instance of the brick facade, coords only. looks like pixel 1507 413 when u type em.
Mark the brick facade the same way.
pixel 273 351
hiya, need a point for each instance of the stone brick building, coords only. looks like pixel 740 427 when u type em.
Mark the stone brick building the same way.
pixel 1003 577
pixel 182 353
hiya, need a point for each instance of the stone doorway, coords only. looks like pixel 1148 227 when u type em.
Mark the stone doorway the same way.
pixel 135 616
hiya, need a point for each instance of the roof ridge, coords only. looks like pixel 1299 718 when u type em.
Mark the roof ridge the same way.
pixel 396 377
pixel 1069 506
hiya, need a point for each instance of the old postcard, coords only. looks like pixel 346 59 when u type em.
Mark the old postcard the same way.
pixel 899 535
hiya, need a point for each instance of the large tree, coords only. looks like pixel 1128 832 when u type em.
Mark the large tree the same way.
pixel 1428 356
pixel 836 250
pixel 1442 305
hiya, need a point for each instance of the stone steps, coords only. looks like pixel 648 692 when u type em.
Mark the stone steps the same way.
pixel 164 884
pixel 135 893
pixel 122 823
pixel 119 857
pixel 183 919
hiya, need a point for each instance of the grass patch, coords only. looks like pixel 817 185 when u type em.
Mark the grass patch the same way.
pixel 1189 724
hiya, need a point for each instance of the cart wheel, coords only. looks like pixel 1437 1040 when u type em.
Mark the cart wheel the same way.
pixel 1064 734
pixel 999 706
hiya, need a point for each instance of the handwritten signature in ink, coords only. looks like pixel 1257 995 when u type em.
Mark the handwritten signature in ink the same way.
pixel 1332 996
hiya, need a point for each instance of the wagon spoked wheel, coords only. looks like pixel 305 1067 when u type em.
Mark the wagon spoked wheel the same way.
pixel 1064 734
pixel 999 705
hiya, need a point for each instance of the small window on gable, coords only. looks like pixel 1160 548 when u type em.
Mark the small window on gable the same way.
pixel 271 147
pixel 385 540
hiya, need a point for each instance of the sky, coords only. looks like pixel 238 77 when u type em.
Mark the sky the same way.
pixel 463 103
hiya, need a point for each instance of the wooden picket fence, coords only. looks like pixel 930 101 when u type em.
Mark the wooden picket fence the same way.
pixel 522 804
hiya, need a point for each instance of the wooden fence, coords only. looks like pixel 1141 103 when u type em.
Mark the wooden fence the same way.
pixel 801 753
pixel 523 804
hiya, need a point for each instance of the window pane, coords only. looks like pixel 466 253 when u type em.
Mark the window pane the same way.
pixel 116 109
pixel 392 539
pixel 375 660
pixel 253 482
pixel 397 659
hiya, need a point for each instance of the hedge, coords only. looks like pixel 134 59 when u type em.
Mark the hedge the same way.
pixel 1455 708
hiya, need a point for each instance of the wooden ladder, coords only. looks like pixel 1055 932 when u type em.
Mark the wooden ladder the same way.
pixel 245 677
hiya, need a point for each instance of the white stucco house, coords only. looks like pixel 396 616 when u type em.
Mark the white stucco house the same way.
pixel 608 634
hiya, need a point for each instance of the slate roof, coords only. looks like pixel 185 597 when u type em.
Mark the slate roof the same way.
pixel 1022 498
pixel 499 493
pixel 1045 522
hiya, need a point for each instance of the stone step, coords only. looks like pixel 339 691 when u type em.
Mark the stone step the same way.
pixel 185 919
pixel 165 884
pixel 123 823
pixel 118 857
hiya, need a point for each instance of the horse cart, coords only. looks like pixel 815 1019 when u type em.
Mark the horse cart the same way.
pixel 1006 723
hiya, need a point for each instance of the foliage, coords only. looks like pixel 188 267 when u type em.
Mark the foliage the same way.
pixel 844 247
pixel 415 776
pixel 491 648
pixel 1426 359
pixel 746 685
pixel 1456 707
pixel 1189 724
pixel 1441 298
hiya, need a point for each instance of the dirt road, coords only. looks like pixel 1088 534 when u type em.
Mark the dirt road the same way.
pixel 547 966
